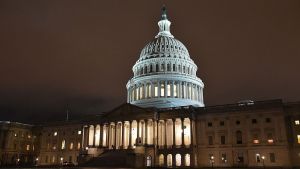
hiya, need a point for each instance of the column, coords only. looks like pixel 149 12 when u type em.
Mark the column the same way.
pixel 130 143
pixel 166 83
pixel 138 131
pixel 146 132
pixel 192 132
pixel 115 133
pixel 123 129
pixel 101 136
pixel 172 89
pixel 151 90
pixel 182 133
pixel 83 139
pixel 158 88
pixel 165 133
pixel 94 136
pixel 174 144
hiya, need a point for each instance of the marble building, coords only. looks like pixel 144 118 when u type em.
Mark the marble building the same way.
pixel 166 124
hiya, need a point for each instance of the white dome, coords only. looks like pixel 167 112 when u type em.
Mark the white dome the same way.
pixel 164 74
pixel 164 46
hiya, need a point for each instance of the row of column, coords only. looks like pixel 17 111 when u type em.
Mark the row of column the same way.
pixel 129 134
pixel 164 68
pixel 173 89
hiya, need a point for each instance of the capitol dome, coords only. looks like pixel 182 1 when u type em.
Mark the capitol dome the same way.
pixel 164 74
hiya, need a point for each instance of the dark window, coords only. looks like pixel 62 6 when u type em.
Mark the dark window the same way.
pixel 173 67
pixel 168 67
pixel 272 157
pixel 210 140
pixel 222 139
pixel 240 158
pixel 239 137
pixel 254 121
pixel 237 122
pixel 209 124
pixel 268 120
pixel 222 123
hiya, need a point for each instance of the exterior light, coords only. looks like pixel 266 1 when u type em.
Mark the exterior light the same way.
pixel 263 157
pixel 61 158
pixel 37 159
pixel 86 148
pixel 79 132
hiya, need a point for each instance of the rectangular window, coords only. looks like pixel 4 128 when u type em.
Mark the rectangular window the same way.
pixel 222 139
pixel 209 124
pixel 256 141
pixel 297 122
pixel 223 158
pixel 268 120
pixel 27 147
pixel 298 139
pixel 79 132
pixel 155 91
pixel 169 90
pixel 210 140
pixel 272 157
pixel 162 90
pixel 254 121
pixel 257 157
pixel 78 145
pixel 222 123
pixel 175 90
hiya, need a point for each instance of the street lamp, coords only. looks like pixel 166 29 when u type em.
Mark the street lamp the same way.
pixel 211 159
pixel 263 160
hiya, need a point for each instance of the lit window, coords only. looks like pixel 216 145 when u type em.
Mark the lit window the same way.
pixel 270 141
pixel 54 147
pixel 175 90
pixel 141 92
pixel 223 158
pixel 255 141
pixel 63 144
pixel 71 146
pixel 298 139
pixel 168 90
pixel 78 145
pixel 55 133
pixel 29 136
pixel 162 90
pixel 79 132
pixel 27 147
pixel 155 91
pixel 16 135
pixel 257 157
pixel 297 122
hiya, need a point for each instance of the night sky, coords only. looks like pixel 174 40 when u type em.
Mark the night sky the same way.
pixel 54 53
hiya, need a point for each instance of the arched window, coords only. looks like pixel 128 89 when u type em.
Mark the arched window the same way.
pixel 187 160
pixel 178 160
pixel 161 160
pixel 239 137
pixel 148 161
pixel 142 71
pixel 169 160
pixel 183 69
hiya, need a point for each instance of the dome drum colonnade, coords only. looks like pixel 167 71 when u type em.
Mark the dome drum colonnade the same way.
pixel 165 75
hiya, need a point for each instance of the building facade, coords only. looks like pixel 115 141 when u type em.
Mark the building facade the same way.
pixel 165 123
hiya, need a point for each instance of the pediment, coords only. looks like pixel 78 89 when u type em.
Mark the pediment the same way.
pixel 127 112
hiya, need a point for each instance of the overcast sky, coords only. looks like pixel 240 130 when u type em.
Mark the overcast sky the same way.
pixel 81 53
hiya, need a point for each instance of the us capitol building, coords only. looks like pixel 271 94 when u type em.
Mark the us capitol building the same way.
pixel 164 123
